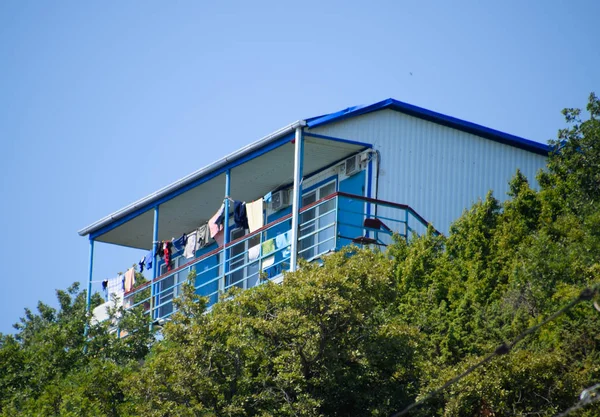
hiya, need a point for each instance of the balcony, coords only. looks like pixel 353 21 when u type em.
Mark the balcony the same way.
pixel 337 220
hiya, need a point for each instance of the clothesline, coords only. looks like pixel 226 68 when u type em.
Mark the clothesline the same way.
pixel 246 215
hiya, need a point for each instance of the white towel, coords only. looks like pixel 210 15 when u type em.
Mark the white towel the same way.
pixel 190 246
pixel 253 253
pixel 254 211
pixel 267 262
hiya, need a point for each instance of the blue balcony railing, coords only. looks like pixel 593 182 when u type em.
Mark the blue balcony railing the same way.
pixel 326 225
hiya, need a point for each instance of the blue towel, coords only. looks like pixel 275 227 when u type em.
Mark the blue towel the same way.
pixel 180 243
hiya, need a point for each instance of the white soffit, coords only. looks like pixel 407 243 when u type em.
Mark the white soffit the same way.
pixel 249 181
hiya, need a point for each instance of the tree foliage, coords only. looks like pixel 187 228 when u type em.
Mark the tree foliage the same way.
pixel 364 334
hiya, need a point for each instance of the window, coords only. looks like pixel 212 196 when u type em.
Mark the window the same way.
pixel 245 274
pixel 167 289
pixel 317 224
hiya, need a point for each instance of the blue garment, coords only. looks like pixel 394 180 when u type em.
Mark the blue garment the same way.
pixel 148 260
pixel 239 214
pixel 267 197
pixel 282 240
pixel 180 243
pixel 221 218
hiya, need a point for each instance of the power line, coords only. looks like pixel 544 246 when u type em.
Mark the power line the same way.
pixel 585 295
pixel 588 396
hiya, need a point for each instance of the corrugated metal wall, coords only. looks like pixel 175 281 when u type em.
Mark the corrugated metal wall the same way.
pixel 437 170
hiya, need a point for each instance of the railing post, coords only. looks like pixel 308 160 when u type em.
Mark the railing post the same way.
pixel 297 195
pixel 406 224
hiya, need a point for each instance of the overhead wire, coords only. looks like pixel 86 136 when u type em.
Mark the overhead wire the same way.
pixel 588 396
pixel 586 295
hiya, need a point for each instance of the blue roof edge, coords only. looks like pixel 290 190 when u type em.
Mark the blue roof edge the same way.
pixel 439 118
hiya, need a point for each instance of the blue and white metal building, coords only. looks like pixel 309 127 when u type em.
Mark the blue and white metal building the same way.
pixel 354 176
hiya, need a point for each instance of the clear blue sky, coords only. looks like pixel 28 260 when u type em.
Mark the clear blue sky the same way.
pixel 102 103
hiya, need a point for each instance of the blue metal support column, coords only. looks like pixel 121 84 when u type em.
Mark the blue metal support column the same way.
pixel 368 190
pixel 90 272
pixel 88 301
pixel 226 222
pixel 226 208
pixel 297 196
pixel 155 271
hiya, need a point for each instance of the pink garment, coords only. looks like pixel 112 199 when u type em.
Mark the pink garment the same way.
pixel 214 228
pixel 220 237
pixel 129 279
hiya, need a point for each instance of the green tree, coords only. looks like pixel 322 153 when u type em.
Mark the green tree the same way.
pixel 324 342
pixel 49 368
pixel 365 333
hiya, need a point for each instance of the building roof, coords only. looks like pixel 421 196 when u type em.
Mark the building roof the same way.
pixel 434 117
pixel 285 134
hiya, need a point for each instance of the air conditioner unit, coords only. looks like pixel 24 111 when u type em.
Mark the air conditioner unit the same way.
pixel 280 200
pixel 352 165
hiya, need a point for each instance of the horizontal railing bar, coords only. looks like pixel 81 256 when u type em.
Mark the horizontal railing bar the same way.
pixel 364 228
pixel 389 203
pixel 165 297
pixel 317 244
pixel 246 237
pixel 316 231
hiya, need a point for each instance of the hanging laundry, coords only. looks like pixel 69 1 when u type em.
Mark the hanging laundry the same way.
pixel 268 247
pixel 105 288
pixel 115 288
pixel 254 213
pixel 268 262
pixel 267 197
pixel 253 253
pixel 239 214
pixel 179 244
pixel 219 237
pixel 202 236
pixel 141 264
pixel 282 240
pixel 129 279
pixel 159 249
pixel 148 259
pixel 221 219
pixel 212 223
pixel 167 254
pixel 190 247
